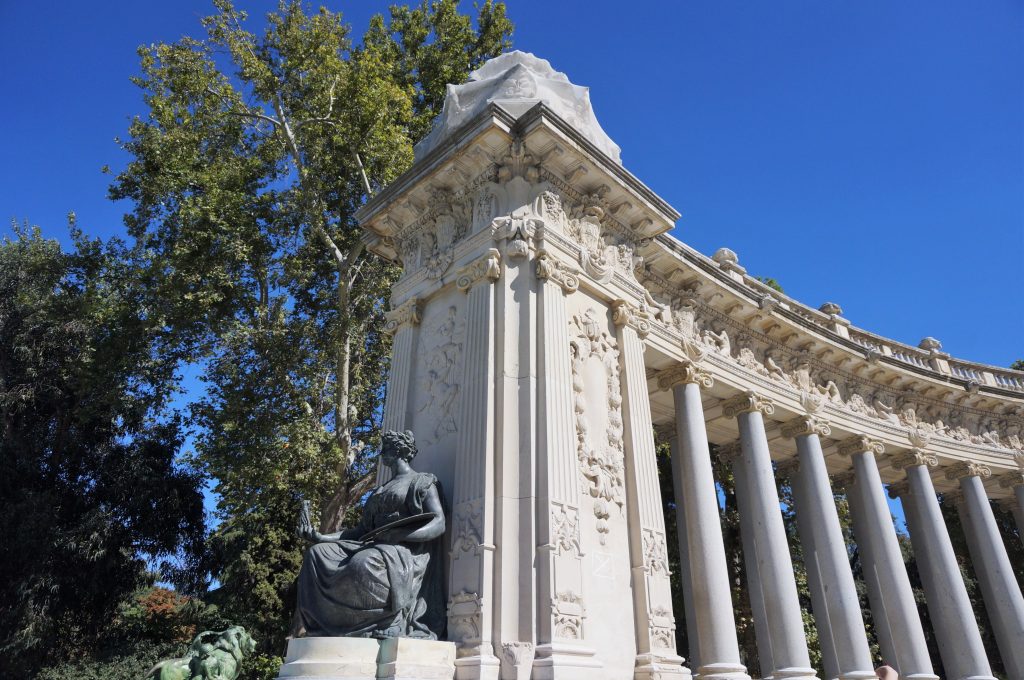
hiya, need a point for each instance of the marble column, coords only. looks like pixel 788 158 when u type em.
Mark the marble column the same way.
pixel 999 588
pixel 652 592
pixel 1015 480
pixel 769 560
pixel 719 647
pixel 826 548
pixel 733 455
pixel 949 607
pixel 692 630
pixel 901 635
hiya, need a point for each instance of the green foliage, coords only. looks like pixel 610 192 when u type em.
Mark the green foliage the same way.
pixel 245 176
pixel 771 283
pixel 1018 365
pixel 91 486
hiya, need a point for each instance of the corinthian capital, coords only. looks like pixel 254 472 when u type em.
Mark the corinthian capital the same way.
pixel 683 373
pixel 747 402
pixel 551 269
pixel 625 313
pixel 901 461
pixel 409 312
pixel 804 425
pixel 486 268
pixel 861 444
pixel 967 468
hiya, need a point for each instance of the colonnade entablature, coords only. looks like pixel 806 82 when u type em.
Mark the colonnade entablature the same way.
pixel 545 325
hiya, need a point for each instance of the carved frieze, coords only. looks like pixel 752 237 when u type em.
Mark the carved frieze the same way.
pixel 443 375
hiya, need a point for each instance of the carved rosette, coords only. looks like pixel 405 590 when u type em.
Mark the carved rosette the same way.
pixel 626 314
pixel 806 425
pixel 409 313
pixel 747 402
pixel 967 468
pixel 464 617
pixel 902 461
pixel 860 444
pixel 486 268
pixel 568 611
pixel 684 373
pixel 550 269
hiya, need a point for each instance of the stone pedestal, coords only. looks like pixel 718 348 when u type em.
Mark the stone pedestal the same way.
pixel 340 658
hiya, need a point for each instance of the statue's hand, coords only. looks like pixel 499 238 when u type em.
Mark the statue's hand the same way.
pixel 307 533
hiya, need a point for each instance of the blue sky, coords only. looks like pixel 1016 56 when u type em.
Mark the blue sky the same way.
pixel 867 153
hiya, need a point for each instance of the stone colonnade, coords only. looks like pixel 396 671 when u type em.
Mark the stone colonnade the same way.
pixel 781 642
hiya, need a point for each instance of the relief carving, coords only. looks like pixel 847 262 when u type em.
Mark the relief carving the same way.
pixel 568 611
pixel 443 376
pixel 655 553
pixel 466 530
pixel 600 454
pixel 565 523
pixel 464 617
pixel 662 628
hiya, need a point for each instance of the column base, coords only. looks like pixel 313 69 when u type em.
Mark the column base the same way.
pixel 920 676
pixel 477 667
pixel 341 658
pixel 654 666
pixel 859 675
pixel 723 671
pixel 564 661
pixel 795 674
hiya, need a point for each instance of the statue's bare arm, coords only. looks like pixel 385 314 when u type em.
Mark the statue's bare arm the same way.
pixel 433 528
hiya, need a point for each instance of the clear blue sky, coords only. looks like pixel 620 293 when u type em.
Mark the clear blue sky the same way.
pixel 869 153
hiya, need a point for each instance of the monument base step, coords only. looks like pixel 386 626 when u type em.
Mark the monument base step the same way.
pixel 339 658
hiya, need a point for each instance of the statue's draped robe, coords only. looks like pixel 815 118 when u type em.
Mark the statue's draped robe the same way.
pixel 348 588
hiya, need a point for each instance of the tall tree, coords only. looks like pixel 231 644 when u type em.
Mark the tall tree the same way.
pixel 90 486
pixel 246 172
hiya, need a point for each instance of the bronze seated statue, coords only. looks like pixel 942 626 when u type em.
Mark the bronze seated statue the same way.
pixel 381 578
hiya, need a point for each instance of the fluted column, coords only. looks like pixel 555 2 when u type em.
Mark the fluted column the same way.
pixel 692 630
pixel 652 593
pixel 719 648
pixel 949 607
pixel 894 610
pixel 826 548
pixel 401 323
pixel 471 573
pixel 1003 600
pixel 769 561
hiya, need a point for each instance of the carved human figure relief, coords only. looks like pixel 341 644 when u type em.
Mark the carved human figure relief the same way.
pixel 441 383
pixel 597 397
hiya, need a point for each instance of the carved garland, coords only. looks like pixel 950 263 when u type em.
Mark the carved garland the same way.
pixel 601 464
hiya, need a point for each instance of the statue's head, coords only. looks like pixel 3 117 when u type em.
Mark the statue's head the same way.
pixel 396 446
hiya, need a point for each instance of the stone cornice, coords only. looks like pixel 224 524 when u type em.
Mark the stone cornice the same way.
pixel 683 373
pixel 747 402
pixel 967 468
pixel 806 425
pixel 487 268
pixel 901 461
pixel 860 444
pixel 409 313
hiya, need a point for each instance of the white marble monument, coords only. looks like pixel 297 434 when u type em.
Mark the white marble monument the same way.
pixel 546 325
